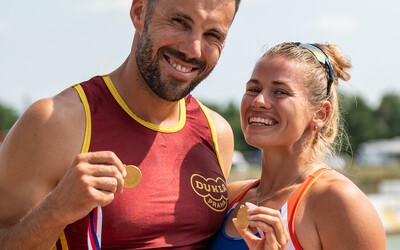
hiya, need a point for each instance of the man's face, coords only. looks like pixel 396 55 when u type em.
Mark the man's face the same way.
pixel 181 43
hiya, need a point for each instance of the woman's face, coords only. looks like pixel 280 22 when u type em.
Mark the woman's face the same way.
pixel 275 110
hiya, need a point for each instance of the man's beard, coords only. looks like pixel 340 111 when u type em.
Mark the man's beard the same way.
pixel 172 89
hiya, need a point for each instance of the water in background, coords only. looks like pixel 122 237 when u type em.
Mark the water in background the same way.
pixel 393 242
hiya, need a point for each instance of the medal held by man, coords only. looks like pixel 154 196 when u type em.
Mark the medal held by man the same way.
pixel 133 176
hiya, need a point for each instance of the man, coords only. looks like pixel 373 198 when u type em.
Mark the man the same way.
pixel 65 157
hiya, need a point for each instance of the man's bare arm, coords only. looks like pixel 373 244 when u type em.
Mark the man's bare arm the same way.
pixel 42 170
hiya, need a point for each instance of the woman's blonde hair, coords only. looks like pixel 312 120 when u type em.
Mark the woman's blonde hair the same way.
pixel 326 141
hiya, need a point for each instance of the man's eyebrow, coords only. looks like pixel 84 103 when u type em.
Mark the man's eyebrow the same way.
pixel 189 19
pixel 184 16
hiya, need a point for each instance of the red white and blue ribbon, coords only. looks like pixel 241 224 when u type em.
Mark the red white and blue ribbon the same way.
pixel 94 229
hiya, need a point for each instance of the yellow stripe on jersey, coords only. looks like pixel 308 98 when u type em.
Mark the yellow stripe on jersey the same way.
pixel 88 129
pixel 214 136
pixel 121 102
pixel 62 241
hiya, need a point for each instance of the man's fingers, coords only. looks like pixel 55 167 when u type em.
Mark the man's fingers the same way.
pixel 103 157
pixel 104 198
pixel 107 184
pixel 102 164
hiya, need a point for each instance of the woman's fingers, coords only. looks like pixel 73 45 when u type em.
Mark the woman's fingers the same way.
pixel 253 242
pixel 270 224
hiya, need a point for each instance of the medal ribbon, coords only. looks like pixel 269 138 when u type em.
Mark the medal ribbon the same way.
pixel 94 229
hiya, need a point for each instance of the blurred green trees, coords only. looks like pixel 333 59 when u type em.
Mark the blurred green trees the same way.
pixel 364 123
pixel 8 116
pixel 232 114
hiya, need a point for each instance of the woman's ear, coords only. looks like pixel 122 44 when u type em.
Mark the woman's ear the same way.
pixel 137 14
pixel 321 116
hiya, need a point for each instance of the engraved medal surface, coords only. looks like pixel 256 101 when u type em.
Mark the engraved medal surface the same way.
pixel 133 176
pixel 242 214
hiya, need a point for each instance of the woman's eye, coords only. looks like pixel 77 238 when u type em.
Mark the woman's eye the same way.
pixel 281 92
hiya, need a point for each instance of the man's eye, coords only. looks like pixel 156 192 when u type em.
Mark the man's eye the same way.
pixel 253 90
pixel 214 35
pixel 180 22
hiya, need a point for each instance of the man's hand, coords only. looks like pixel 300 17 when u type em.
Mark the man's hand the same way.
pixel 91 181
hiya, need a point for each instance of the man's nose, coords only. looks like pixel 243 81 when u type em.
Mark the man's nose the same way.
pixel 191 45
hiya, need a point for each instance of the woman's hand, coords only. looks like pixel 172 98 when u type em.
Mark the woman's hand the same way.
pixel 269 223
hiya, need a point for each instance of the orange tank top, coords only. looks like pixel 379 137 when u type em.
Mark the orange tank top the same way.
pixel 288 212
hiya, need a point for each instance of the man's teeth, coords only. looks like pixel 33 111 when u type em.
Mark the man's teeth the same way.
pixel 261 121
pixel 180 68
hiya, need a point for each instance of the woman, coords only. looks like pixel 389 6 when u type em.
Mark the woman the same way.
pixel 290 111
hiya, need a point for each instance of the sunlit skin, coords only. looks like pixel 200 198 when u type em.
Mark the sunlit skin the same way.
pixel 275 94
pixel 185 38
pixel 278 118
pixel 42 166
pixel 178 48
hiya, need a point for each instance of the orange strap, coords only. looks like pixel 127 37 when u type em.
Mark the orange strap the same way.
pixel 295 200
pixel 241 195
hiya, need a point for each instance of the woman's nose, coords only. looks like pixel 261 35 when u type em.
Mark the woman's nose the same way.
pixel 261 101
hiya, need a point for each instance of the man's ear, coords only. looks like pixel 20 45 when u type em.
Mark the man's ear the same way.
pixel 321 116
pixel 137 14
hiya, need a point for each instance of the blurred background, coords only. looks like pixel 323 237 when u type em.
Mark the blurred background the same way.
pixel 46 46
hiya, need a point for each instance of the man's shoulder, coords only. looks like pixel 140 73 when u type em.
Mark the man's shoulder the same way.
pixel 61 106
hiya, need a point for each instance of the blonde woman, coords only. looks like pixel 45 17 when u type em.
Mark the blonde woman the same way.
pixel 290 111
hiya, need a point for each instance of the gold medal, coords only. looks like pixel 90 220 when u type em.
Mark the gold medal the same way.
pixel 242 215
pixel 133 176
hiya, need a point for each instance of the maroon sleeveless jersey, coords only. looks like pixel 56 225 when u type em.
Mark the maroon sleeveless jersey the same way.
pixel 182 199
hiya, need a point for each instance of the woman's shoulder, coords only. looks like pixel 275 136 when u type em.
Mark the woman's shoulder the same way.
pixel 334 183
pixel 335 202
pixel 333 188
pixel 335 198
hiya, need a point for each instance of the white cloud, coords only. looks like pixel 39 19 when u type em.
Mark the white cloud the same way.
pixel 102 6
pixel 3 26
pixel 336 24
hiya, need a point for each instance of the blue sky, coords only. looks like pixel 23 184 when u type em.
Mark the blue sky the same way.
pixel 46 46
